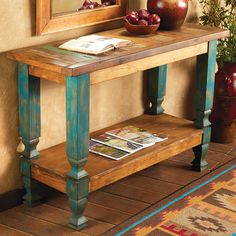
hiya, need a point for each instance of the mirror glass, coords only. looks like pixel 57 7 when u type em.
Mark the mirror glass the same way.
pixel 59 15
pixel 59 7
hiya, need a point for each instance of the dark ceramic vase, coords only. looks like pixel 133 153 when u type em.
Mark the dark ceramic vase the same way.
pixel 223 116
pixel 225 83
pixel 171 12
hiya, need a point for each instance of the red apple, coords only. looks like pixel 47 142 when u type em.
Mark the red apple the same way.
pixel 143 14
pixel 154 19
pixel 132 17
pixel 108 2
pixel 87 3
pixel 142 22
pixel 96 4
pixel 132 13
pixel 91 6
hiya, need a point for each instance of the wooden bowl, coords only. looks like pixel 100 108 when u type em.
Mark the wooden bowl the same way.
pixel 141 29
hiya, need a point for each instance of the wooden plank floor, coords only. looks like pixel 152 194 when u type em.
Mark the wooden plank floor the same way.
pixel 115 203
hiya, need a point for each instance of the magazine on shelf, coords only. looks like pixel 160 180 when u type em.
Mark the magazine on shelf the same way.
pixel 118 143
pixel 106 151
pixel 137 135
pixel 94 44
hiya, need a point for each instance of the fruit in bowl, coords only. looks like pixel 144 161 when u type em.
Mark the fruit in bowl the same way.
pixel 132 17
pixel 143 14
pixel 88 4
pixel 108 2
pixel 142 22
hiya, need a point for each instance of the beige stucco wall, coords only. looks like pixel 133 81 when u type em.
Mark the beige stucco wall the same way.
pixel 111 101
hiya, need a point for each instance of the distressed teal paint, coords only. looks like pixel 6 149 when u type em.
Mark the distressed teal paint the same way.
pixel 78 192
pixel 206 65
pixel 77 146
pixel 31 198
pixel 156 87
pixel 202 118
pixel 206 135
pixel 29 103
pixel 29 117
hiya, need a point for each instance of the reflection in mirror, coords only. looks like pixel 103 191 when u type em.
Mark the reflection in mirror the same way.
pixel 58 15
pixel 65 6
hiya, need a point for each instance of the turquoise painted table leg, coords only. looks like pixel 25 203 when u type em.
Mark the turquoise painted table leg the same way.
pixel 77 146
pixel 206 65
pixel 156 87
pixel 29 114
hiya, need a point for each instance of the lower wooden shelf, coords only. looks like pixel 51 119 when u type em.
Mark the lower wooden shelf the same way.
pixel 51 167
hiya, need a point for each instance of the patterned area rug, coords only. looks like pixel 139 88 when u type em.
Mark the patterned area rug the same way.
pixel 206 207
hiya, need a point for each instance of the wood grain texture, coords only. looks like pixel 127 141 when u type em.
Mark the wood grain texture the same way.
pixel 143 182
pixel 127 68
pixel 206 67
pixel 47 74
pixel 164 172
pixel 147 63
pixel 52 215
pixel 53 168
pixel 8 231
pixel 117 202
pixel 69 63
pixel 60 216
pixel 43 15
pixel 181 136
pixel 34 226
pixel 131 192
pixel 48 23
pixel 77 146
pixel 29 116
pixel 94 211
pixel 223 147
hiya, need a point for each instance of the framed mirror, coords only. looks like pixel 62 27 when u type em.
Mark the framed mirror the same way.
pixel 59 15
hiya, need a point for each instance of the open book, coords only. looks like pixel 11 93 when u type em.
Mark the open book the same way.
pixel 94 44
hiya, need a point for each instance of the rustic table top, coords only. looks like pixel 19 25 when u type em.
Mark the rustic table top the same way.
pixel 51 58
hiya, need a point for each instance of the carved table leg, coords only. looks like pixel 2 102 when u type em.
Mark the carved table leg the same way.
pixel 206 65
pixel 156 89
pixel 29 114
pixel 77 146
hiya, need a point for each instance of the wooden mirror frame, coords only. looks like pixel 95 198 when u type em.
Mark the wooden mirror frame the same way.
pixel 46 23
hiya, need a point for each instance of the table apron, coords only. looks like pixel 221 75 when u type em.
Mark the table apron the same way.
pixel 127 68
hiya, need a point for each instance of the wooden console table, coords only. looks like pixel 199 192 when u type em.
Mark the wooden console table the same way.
pixel 69 167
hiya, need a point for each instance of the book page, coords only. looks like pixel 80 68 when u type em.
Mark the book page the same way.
pixel 94 44
pixel 136 135
pixel 106 151
pixel 87 46
pixel 118 143
pixel 116 42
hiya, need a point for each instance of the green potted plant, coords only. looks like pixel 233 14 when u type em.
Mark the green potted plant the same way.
pixel 222 13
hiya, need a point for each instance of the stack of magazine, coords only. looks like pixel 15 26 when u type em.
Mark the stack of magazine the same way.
pixel 119 143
